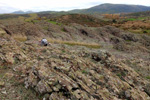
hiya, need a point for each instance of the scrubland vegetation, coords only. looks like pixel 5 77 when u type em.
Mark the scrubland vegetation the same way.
pixel 90 57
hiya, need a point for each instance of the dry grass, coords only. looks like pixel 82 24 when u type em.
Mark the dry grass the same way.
pixel 73 43
pixel 20 38
pixel 70 43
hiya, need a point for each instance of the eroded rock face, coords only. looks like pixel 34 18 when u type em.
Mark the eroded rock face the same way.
pixel 105 79
pixel 130 37
pixel 147 89
pixel 63 73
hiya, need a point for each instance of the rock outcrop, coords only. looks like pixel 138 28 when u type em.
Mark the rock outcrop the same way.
pixel 60 73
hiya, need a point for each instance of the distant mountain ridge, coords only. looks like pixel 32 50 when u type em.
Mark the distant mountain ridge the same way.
pixel 106 8
pixel 113 8
pixel 23 12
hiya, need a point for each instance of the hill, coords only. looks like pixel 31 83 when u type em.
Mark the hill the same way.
pixel 86 59
pixel 113 8
pixel 22 12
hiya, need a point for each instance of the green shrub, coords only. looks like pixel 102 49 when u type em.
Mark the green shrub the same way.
pixel 145 31
pixel 54 22
pixel 119 75
pixel 46 28
pixel 64 30
pixel 148 77
pixel 131 19
pixel 84 71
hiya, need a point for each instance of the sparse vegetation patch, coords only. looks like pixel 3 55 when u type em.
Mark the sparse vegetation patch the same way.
pixel 72 43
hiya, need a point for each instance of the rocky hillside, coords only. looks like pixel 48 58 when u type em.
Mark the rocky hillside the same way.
pixel 82 62
pixel 63 72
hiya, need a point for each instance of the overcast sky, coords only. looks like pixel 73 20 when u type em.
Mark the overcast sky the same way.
pixel 7 6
